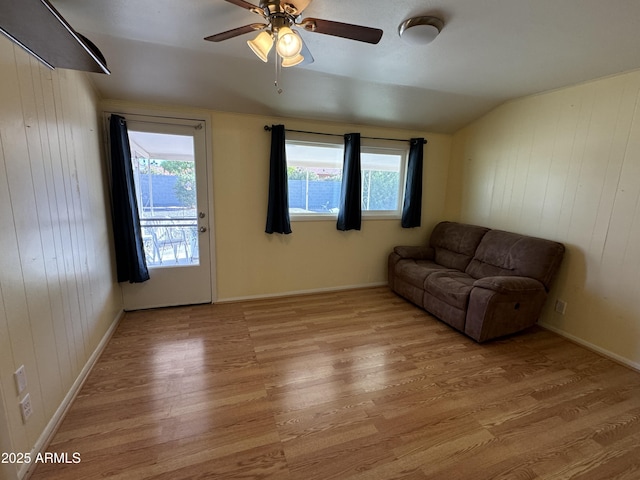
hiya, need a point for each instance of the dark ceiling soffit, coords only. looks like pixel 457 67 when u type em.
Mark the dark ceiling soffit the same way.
pixel 36 26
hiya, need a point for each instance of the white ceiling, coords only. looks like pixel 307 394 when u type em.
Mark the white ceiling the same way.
pixel 489 51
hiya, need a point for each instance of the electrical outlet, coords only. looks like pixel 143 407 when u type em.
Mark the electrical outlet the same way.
pixel 20 376
pixel 561 306
pixel 26 408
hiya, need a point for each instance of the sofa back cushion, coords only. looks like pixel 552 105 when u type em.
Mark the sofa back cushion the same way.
pixel 506 253
pixel 454 243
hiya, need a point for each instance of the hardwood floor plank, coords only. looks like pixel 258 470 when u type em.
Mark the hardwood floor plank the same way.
pixel 350 385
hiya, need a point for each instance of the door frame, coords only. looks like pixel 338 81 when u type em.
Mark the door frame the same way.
pixel 158 114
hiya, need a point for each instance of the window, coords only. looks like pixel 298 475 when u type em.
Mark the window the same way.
pixel 381 186
pixel 165 185
pixel 315 175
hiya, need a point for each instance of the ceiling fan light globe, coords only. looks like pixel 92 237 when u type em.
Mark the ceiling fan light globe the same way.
pixel 292 61
pixel 289 43
pixel 261 45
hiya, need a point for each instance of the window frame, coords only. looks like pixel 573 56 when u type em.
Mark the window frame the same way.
pixel 372 146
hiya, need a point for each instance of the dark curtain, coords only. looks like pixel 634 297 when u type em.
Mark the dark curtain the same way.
pixel 412 208
pixel 350 211
pixel 130 260
pixel 278 208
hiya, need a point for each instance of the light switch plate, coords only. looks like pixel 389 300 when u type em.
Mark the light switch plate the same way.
pixel 20 376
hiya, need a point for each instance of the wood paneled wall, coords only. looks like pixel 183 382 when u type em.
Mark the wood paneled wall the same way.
pixel 58 296
pixel 565 165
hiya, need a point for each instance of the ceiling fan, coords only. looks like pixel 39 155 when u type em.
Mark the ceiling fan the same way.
pixel 280 16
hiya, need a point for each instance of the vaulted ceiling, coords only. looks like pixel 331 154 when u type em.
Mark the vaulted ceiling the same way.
pixel 489 51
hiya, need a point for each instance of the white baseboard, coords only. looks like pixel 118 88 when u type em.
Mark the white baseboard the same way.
pixel 300 292
pixel 612 356
pixel 47 435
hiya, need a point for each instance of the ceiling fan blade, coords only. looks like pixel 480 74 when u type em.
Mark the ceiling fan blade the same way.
pixel 344 30
pixel 249 6
pixel 219 37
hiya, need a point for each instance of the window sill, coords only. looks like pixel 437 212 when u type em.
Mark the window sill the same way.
pixel 324 217
pixel 313 217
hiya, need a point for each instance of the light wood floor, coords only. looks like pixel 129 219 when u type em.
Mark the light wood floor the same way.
pixel 349 385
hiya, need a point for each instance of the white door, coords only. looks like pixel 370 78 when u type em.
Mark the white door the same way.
pixel 170 169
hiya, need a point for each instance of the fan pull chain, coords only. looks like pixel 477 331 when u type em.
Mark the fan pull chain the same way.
pixel 277 62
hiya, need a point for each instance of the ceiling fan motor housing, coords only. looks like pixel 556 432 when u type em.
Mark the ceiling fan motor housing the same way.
pixel 276 7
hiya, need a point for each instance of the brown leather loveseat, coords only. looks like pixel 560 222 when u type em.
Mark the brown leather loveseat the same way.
pixel 485 283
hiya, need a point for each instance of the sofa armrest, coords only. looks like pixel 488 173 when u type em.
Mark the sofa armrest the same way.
pixel 502 305
pixel 415 252
pixel 510 284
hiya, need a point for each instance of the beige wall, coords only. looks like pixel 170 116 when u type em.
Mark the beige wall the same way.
pixel 566 166
pixel 57 292
pixel 250 263
pixel 315 256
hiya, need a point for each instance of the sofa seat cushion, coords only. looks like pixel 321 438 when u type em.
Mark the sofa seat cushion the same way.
pixel 415 272
pixel 451 287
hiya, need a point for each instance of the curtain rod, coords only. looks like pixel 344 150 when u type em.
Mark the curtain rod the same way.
pixel 183 121
pixel 268 129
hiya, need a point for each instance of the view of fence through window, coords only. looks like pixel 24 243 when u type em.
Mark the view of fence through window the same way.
pixel 380 181
pixel 315 176
pixel 165 181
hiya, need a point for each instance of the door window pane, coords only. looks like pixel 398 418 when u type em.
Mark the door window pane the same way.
pixel 164 175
